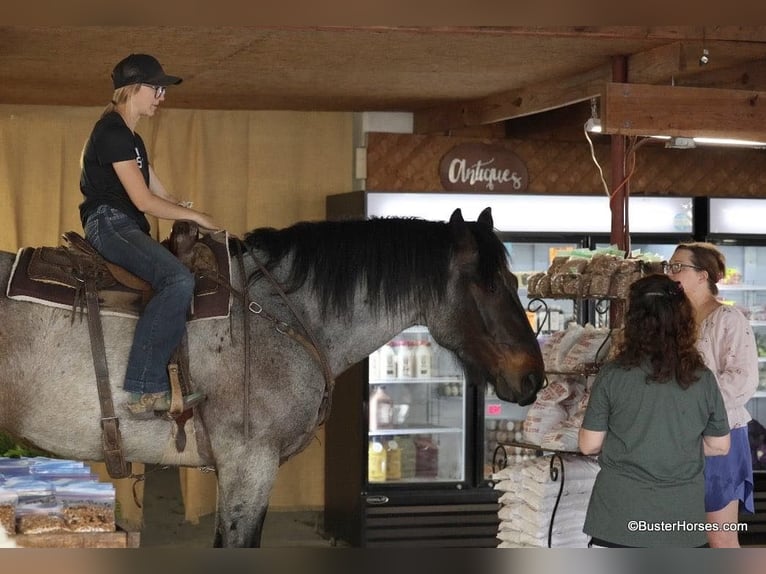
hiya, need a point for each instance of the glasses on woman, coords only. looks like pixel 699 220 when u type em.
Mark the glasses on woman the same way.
pixel 674 268
pixel 159 91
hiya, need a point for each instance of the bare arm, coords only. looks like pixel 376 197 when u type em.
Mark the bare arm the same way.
pixel 148 202
pixel 590 442
pixel 156 187
pixel 716 445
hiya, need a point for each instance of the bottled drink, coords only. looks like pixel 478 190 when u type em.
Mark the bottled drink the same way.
pixel 393 460
pixel 376 461
pixel 405 360
pixel 426 457
pixel 374 365
pixel 407 456
pixel 381 409
pixel 387 362
pixel 423 359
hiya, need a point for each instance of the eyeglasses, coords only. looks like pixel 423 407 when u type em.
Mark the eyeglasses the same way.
pixel 159 91
pixel 677 267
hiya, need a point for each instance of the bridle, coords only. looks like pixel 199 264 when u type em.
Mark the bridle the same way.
pixel 305 338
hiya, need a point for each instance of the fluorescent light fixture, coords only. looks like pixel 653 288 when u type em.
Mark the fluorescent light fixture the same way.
pixel 593 125
pixel 729 141
pixel 538 213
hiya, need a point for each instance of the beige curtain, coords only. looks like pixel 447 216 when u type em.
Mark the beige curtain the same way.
pixel 247 169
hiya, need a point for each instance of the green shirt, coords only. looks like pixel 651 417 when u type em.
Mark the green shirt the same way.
pixel 652 458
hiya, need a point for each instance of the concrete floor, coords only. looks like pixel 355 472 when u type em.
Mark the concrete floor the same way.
pixel 165 527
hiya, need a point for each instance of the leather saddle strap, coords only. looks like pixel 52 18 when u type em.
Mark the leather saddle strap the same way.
pixel 111 438
pixel 176 394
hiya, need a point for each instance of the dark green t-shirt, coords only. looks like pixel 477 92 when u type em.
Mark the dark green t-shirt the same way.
pixel 111 141
pixel 652 458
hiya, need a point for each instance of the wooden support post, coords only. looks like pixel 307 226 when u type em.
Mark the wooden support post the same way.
pixel 618 202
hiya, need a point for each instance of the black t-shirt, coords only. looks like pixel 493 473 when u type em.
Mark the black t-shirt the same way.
pixel 111 141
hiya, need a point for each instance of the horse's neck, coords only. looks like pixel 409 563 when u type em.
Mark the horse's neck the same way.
pixel 346 338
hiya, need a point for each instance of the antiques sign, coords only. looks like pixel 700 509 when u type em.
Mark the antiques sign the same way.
pixel 482 168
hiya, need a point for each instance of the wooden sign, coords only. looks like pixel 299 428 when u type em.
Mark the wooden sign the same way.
pixel 483 168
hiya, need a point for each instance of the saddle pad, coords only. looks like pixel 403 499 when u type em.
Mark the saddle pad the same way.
pixel 210 299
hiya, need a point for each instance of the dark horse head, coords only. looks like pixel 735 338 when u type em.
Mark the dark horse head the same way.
pixel 453 277
pixel 495 338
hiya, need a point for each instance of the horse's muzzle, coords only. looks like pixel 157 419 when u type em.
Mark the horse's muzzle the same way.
pixel 531 385
pixel 522 391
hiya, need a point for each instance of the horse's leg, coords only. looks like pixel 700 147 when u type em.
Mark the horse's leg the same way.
pixel 218 540
pixel 244 486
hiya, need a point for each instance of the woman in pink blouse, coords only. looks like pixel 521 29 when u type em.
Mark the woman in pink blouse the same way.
pixel 727 344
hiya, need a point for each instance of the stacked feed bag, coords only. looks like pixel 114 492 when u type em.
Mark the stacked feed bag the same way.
pixel 529 495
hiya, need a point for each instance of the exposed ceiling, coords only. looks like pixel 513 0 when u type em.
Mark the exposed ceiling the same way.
pixel 450 77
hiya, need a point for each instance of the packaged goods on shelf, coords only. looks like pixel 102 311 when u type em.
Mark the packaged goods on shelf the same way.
pixel 87 506
pixel 54 496
pixel 600 273
pixel 8 502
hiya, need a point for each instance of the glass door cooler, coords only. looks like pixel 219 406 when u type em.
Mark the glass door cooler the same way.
pixel 736 226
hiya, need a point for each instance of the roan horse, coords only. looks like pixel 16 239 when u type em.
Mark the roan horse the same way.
pixel 355 283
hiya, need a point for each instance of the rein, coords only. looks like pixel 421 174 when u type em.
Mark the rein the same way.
pixel 307 338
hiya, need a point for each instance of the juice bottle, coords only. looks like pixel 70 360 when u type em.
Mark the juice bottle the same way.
pixel 393 460
pixel 376 461
pixel 407 456
pixel 381 409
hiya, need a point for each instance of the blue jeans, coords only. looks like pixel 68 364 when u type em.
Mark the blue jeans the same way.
pixel 163 322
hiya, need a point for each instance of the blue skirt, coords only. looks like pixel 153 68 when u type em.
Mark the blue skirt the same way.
pixel 730 477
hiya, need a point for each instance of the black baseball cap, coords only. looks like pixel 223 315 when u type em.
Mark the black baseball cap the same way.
pixel 141 69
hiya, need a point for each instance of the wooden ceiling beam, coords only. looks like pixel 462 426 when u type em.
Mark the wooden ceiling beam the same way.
pixel 640 110
pixel 514 103
pixel 677 60
pixel 661 65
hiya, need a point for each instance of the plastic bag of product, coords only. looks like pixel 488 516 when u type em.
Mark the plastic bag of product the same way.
pixel 600 270
pixel 87 506
pixel 14 467
pixel 544 286
pixel 549 347
pixel 569 339
pixel 567 282
pixel 548 411
pixel 8 502
pixel 627 272
pixel 591 346
pixel 30 490
pixel 533 285
pixel 60 469
pixel 39 518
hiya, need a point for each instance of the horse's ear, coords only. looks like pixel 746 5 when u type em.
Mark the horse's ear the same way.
pixel 485 217
pixel 466 249
pixel 456 217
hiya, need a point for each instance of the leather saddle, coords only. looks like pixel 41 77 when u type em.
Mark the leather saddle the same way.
pixel 56 275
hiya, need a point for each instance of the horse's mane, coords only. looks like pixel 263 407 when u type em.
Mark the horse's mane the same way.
pixel 400 261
